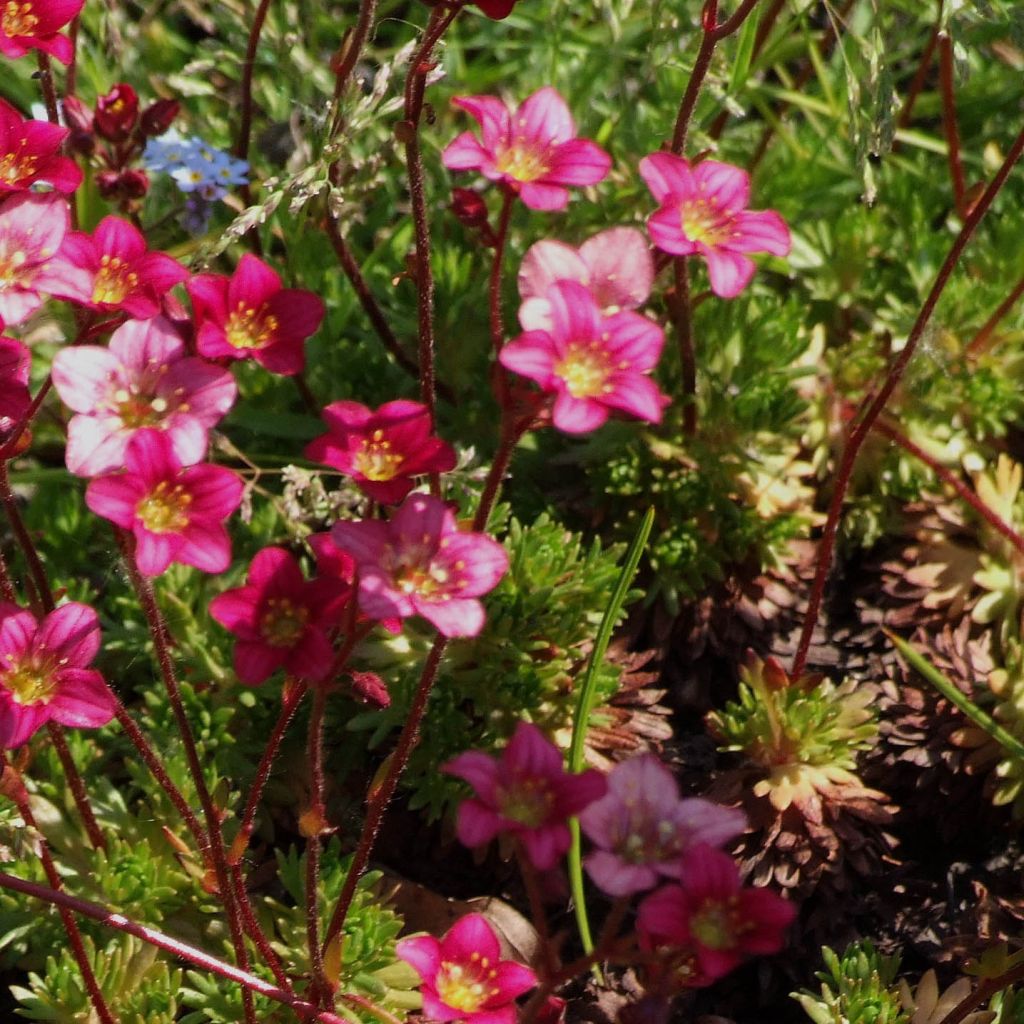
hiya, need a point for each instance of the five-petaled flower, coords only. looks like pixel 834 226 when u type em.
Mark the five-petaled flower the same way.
pixel 527 792
pixel 177 514
pixel 30 152
pixel 44 673
pixel 281 619
pixel 249 315
pixel 704 211
pixel 711 916
pixel 383 450
pixel 142 379
pixel 14 369
pixel 421 563
pixel 592 364
pixel 533 151
pixel 464 977
pixel 641 827
pixel 35 25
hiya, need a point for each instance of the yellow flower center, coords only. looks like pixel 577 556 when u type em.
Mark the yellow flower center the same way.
pixel 522 163
pixel 376 461
pixel 18 19
pixel 528 802
pixel 248 327
pixel 717 924
pixel 13 269
pixel 28 682
pixel 114 282
pixel 16 166
pixel 585 370
pixel 135 410
pixel 466 987
pixel 703 221
pixel 165 508
pixel 283 623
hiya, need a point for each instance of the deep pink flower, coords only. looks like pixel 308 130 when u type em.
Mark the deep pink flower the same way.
pixel 249 315
pixel 177 514
pixel 44 673
pixel 641 827
pixel 527 792
pixel 281 619
pixel 30 152
pixel 592 364
pixel 117 112
pixel 35 25
pixel 533 151
pixel 383 450
pixel 615 266
pixel 711 915
pixel 704 211
pixel 143 379
pixel 14 368
pixel 464 977
pixel 421 563
pixel 124 274
pixel 32 230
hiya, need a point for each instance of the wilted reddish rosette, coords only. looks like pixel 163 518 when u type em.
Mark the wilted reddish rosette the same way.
pixel 143 378
pixel 382 450
pixel 526 792
pixel 45 674
pixel 14 369
pixel 249 315
pixel 463 975
pixel 704 212
pixel 176 513
pixel 281 619
pixel 35 25
pixel 30 153
pixel 534 151
pixel 421 563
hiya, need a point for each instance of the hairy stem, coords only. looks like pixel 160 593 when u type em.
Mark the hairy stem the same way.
pixel 949 122
pixel 981 342
pixel 682 319
pixel 77 786
pixel 315 816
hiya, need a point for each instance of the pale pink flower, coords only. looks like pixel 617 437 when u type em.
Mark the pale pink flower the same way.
pixel 421 563
pixel 592 364
pixel 35 25
pixel 143 379
pixel 44 673
pixel 14 396
pixel 704 211
pixel 464 977
pixel 615 266
pixel 641 827
pixel 527 792
pixel 534 151
pixel 176 514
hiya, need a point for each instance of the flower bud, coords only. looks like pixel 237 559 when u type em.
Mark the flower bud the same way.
pixel 129 184
pixel 469 207
pixel 117 112
pixel 158 117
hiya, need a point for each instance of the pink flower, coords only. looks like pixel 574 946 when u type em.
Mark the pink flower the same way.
pixel 250 315
pixel 14 368
pixel 534 151
pixel 615 266
pixel 30 152
pixel 592 364
pixel 464 977
pixel 176 514
pixel 124 274
pixel 711 915
pixel 421 563
pixel 703 210
pixel 34 25
pixel 527 792
pixel 281 619
pixel 381 450
pixel 641 827
pixel 143 379
pixel 32 230
pixel 44 673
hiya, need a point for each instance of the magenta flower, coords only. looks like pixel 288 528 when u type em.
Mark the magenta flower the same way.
pixel 44 673
pixel 641 827
pixel 592 364
pixel 35 25
pixel 124 274
pixel 176 514
pixel 30 152
pixel 250 315
pixel 712 916
pixel 534 152
pixel 383 450
pixel 32 230
pixel 421 563
pixel 704 211
pixel 615 266
pixel 142 379
pixel 14 368
pixel 464 977
pixel 527 792
pixel 281 619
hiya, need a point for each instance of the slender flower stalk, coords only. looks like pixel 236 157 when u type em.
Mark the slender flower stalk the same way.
pixel 248 68
pixel 77 786
pixel 982 341
pixel 921 75
pixel 949 121
pixel 316 822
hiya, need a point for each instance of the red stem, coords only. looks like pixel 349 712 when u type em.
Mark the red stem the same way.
pixel 353 48
pixel 248 68
pixel 917 83
pixel 494 295
pixel 682 318
pixel 317 823
pixel 77 787
pixel 949 122
pixel 980 342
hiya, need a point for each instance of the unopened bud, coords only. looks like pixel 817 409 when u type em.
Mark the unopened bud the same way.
pixel 469 207
pixel 158 117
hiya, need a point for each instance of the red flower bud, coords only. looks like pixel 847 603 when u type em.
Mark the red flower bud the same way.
pixel 469 207
pixel 117 112
pixel 369 688
pixel 130 184
pixel 77 115
pixel 158 117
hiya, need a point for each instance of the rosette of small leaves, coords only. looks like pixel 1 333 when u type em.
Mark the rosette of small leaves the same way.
pixel 857 988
